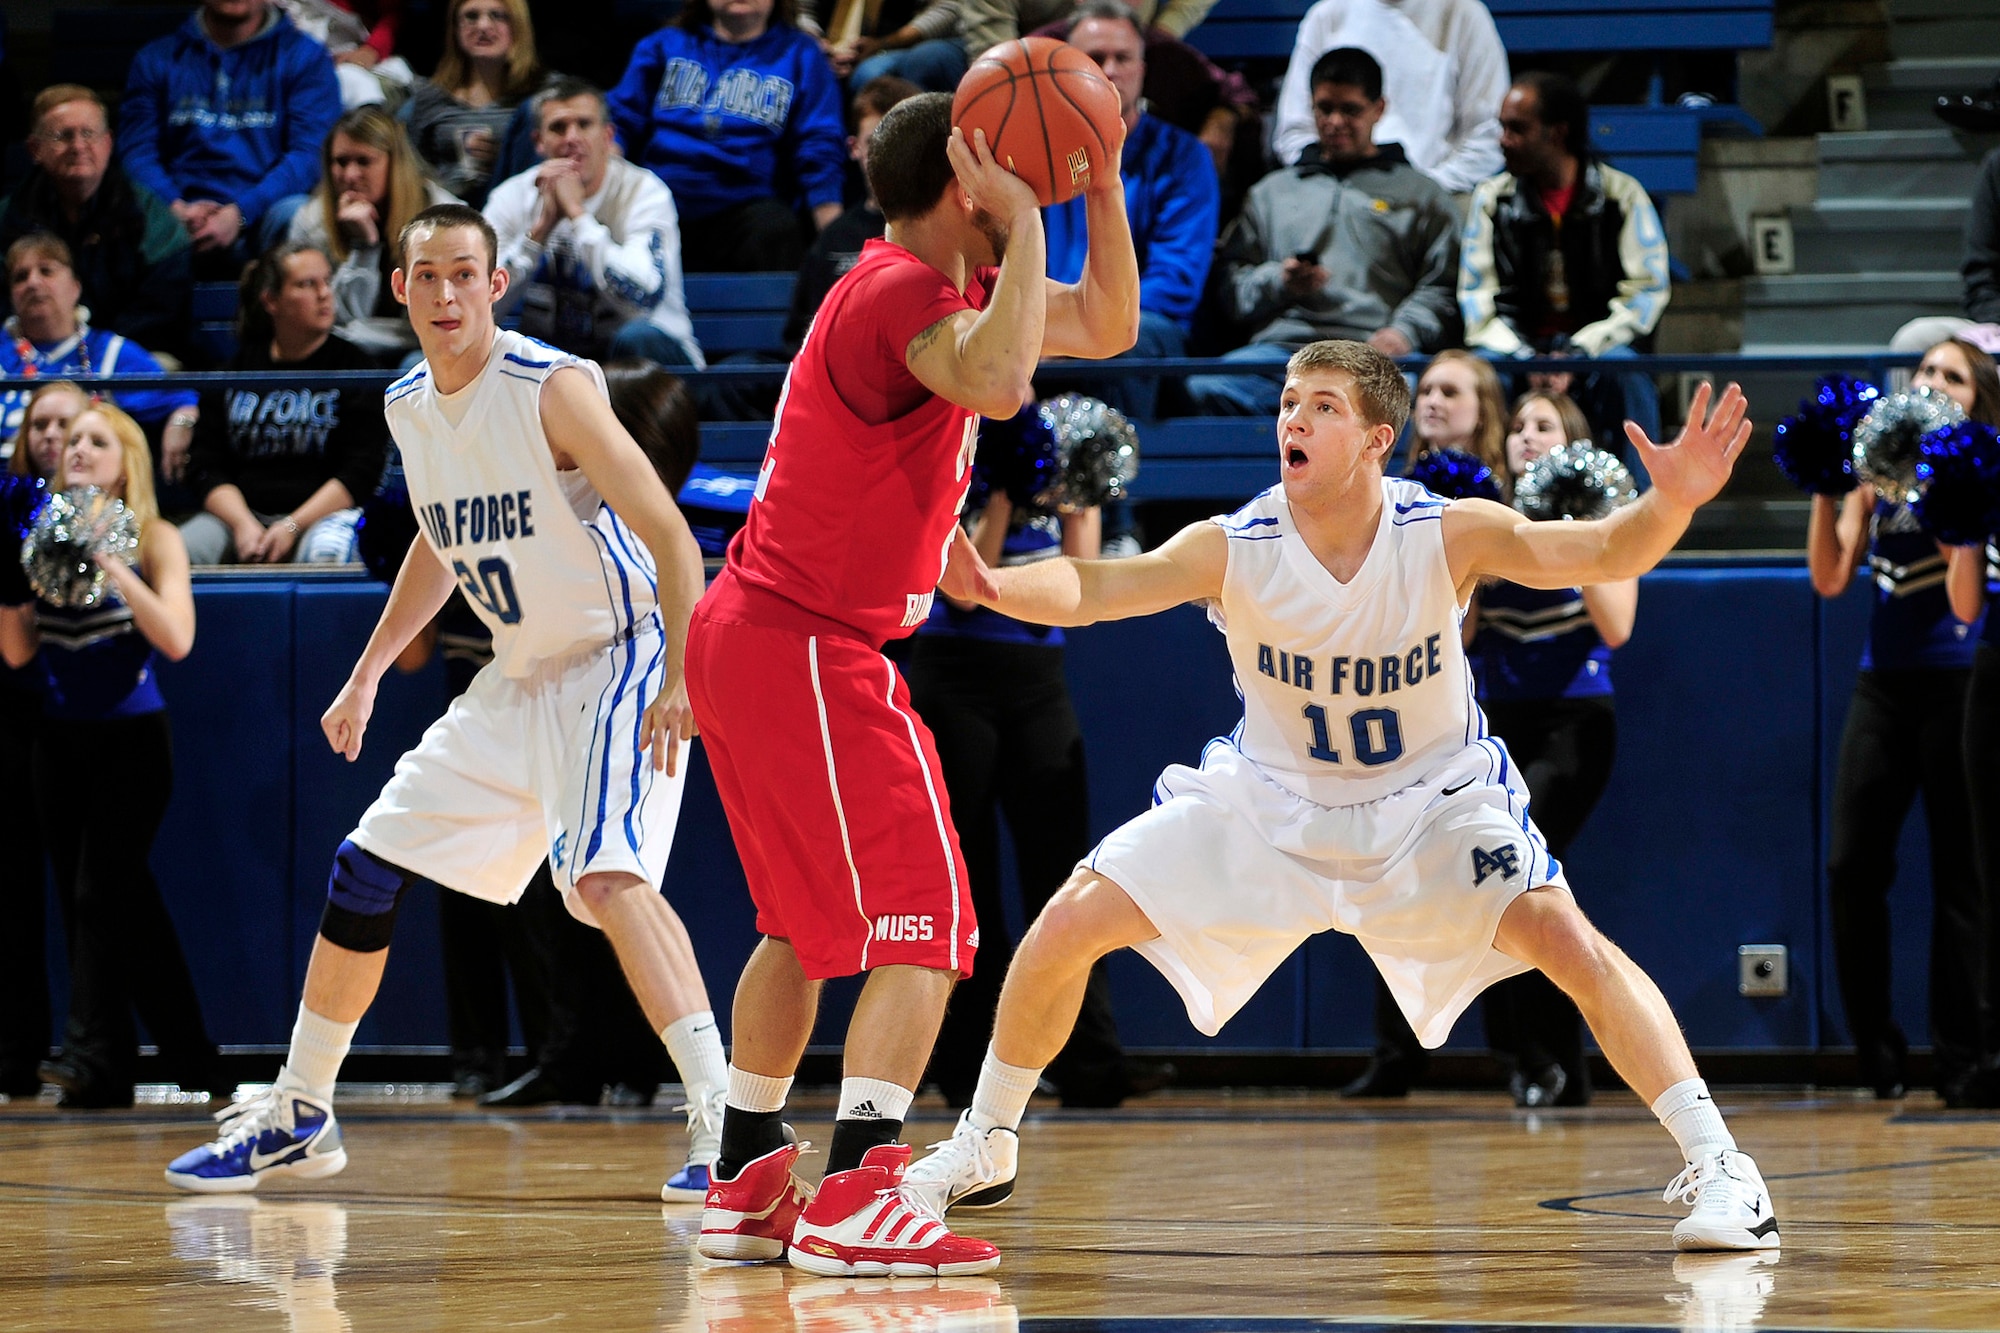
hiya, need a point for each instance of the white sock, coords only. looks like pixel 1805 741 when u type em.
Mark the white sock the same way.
pixel 318 1047
pixel 1690 1116
pixel 1001 1098
pixel 757 1092
pixel 694 1044
pixel 873 1099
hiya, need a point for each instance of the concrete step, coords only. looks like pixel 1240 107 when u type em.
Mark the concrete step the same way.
pixel 1855 309
pixel 1878 235
pixel 1928 163
pixel 1902 92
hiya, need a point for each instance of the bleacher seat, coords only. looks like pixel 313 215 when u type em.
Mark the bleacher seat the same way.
pixel 94 47
pixel 214 313
pixel 738 312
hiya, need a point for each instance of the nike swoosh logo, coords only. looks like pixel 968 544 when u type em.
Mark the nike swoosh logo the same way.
pixel 1453 791
pixel 259 1159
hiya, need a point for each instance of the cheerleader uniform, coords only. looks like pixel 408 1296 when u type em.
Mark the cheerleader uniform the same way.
pixel 1545 685
pixel 103 773
pixel 1904 733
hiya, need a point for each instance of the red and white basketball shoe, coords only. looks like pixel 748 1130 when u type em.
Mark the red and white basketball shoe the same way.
pixel 751 1217
pixel 866 1223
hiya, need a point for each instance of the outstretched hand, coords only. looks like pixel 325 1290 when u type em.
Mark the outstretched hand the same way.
pixel 1691 471
pixel 966 577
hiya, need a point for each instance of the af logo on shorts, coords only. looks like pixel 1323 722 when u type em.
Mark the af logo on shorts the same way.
pixel 1505 861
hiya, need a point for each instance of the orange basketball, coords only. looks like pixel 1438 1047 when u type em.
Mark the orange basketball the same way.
pixel 1050 115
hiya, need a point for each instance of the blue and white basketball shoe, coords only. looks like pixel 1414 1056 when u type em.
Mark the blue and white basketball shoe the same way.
pixel 690 1183
pixel 278 1132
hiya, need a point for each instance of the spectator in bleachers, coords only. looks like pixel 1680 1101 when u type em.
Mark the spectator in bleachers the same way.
pixel 50 333
pixel 224 119
pixel 915 40
pixel 1172 201
pixel 370 185
pixel 99 671
pixel 1904 733
pixel 591 243
pixel 280 469
pixel 465 118
pixel 361 38
pixel 1980 324
pixel 1443 69
pixel 1564 256
pixel 130 252
pixel 1353 242
pixel 1460 405
pixel 24 868
pixel 986 23
pixel 738 112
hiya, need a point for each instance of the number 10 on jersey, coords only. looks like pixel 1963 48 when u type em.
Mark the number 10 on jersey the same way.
pixel 1376 733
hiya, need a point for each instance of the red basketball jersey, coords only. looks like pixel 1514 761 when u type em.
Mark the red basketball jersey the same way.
pixel 851 518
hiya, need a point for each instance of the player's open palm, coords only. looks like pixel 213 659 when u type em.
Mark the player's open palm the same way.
pixel 347 720
pixel 668 724
pixel 1692 470
pixel 991 187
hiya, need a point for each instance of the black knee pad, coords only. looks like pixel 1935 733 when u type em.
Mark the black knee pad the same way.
pixel 362 895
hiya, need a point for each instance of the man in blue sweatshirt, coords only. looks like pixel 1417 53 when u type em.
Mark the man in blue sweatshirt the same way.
pixel 738 112
pixel 224 119
pixel 1172 199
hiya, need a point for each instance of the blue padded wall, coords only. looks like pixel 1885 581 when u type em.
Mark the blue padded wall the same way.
pixel 1710 836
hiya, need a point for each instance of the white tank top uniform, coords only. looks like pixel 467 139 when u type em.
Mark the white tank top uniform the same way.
pixel 540 757
pixel 1360 792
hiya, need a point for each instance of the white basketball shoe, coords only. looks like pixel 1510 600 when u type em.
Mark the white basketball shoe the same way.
pixel 1732 1209
pixel 690 1183
pixel 974 1168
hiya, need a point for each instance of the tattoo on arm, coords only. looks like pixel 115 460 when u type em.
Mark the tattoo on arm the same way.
pixel 921 343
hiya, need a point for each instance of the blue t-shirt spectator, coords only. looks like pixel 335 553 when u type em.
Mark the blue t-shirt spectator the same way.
pixel 239 124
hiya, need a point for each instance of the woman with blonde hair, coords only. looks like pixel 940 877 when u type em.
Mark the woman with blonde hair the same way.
pixel 1459 405
pixel 24 982
pixel 98 670
pixel 371 183
pixel 461 119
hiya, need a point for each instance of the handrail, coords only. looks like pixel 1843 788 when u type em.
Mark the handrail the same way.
pixel 1873 363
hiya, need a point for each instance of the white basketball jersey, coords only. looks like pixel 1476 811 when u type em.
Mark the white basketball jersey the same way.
pixel 539 555
pixel 1350 691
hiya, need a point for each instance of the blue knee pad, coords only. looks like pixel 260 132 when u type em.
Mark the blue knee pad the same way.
pixel 362 895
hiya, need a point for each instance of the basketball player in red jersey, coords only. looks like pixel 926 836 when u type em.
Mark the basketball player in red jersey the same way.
pixel 830 780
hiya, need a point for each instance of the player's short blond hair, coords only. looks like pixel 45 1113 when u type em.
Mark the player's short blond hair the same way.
pixel 1383 392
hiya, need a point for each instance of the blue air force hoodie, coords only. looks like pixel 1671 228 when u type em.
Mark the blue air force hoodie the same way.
pixel 724 123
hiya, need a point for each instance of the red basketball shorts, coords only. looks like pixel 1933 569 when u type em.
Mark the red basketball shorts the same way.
pixel 832 785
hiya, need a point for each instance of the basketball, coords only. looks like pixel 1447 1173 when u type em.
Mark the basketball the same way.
pixel 1050 115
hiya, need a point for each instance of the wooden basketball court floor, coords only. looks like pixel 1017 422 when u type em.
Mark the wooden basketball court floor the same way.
pixel 1187 1213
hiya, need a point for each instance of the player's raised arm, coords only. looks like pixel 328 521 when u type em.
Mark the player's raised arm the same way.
pixel 422 587
pixel 1068 591
pixel 1097 316
pixel 582 428
pixel 985 359
pixel 1486 540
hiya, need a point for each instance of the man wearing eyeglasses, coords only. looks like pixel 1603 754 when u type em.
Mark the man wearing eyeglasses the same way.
pixel 132 256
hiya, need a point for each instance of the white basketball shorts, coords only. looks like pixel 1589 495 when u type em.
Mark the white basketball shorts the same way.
pixel 1236 871
pixel 548 765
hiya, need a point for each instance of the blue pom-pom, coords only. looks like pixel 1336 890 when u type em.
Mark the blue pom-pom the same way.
pixel 1815 447
pixel 1019 455
pixel 1958 483
pixel 1455 475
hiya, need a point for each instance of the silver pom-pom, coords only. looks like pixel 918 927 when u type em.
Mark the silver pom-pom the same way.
pixel 1097 453
pixel 74 527
pixel 1888 443
pixel 1574 481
